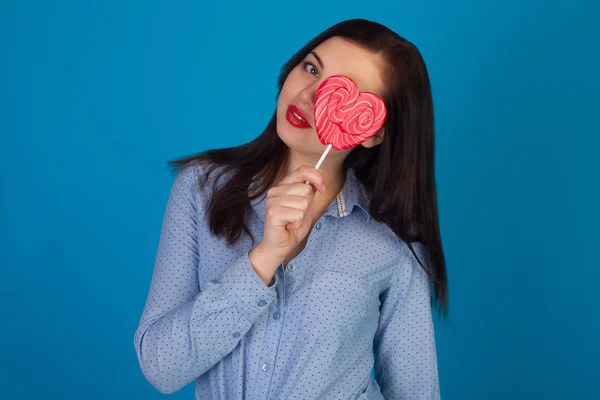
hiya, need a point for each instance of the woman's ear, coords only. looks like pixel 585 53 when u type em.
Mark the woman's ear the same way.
pixel 375 139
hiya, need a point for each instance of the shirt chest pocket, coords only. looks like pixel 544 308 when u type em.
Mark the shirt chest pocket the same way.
pixel 336 306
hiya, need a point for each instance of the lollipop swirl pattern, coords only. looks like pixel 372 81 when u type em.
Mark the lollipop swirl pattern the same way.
pixel 345 117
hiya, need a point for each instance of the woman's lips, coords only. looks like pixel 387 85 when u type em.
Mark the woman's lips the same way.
pixel 296 118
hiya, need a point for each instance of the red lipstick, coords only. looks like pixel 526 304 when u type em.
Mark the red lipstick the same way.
pixel 296 118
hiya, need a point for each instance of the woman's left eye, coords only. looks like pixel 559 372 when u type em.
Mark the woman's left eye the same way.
pixel 311 69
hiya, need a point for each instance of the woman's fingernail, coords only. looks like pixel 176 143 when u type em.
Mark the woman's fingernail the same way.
pixel 323 189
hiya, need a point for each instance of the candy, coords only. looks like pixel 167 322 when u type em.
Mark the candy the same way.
pixel 345 117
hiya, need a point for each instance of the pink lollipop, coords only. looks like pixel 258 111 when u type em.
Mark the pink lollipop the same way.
pixel 345 117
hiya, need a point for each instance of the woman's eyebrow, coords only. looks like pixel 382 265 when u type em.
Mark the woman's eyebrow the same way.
pixel 318 59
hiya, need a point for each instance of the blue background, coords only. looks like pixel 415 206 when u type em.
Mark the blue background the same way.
pixel 96 96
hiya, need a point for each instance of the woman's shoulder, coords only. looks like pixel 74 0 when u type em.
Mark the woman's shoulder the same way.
pixel 200 179
pixel 389 242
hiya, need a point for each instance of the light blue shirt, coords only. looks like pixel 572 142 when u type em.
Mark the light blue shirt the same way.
pixel 354 301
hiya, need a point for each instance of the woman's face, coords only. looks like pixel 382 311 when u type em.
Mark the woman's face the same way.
pixel 295 107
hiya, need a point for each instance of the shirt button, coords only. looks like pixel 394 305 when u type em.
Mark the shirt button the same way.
pixel 318 226
pixel 291 267
pixel 276 315
pixel 262 303
pixel 265 367
pixel 236 334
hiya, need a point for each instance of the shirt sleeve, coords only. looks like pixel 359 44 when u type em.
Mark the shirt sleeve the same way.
pixel 404 346
pixel 183 331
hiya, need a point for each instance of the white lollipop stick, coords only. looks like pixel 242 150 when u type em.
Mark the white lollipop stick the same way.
pixel 321 159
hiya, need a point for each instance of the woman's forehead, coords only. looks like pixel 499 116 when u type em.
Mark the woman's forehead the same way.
pixel 343 57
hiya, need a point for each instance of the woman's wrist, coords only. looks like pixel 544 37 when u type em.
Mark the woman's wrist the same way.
pixel 264 263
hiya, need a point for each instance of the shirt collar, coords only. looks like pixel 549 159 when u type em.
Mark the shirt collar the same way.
pixel 352 194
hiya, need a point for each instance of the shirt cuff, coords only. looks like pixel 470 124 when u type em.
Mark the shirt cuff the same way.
pixel 243 286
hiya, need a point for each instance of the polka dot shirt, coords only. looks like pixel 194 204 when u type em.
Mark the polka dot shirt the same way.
pixel 349 318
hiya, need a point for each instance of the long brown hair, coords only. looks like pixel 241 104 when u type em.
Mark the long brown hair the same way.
pixel 399 173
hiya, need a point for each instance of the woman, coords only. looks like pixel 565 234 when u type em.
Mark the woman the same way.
pixel 265 287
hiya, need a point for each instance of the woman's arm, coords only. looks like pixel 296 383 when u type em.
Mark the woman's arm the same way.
pixel 405 351
pixel 184 332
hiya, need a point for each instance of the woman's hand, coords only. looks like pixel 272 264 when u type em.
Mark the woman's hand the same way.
pixel 288 218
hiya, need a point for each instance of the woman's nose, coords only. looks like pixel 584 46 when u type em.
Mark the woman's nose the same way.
pixel 309 93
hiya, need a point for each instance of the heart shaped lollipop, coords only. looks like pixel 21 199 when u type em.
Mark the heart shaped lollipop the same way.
pixel 345 117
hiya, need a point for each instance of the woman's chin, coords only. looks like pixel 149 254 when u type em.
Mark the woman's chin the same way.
pixel 290 134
